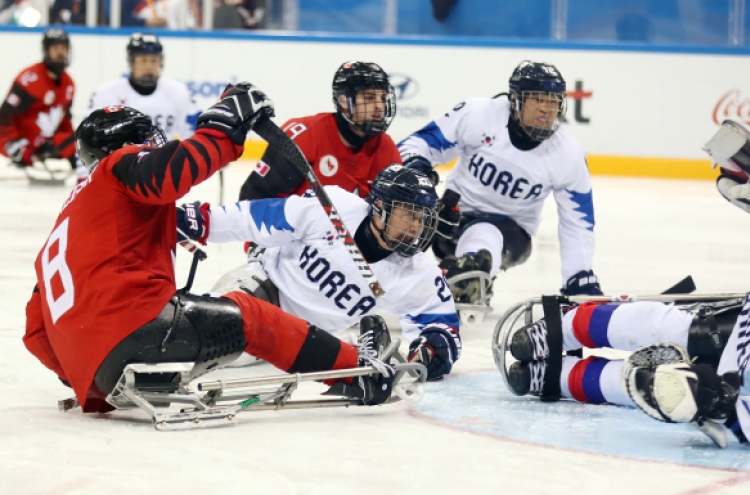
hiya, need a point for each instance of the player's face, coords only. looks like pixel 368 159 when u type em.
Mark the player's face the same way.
pixel 58 52
pixel 369 105
pixel 146 66
pixel 405 224
pixel 540 110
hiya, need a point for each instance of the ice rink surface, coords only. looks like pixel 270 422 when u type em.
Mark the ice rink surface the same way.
pixel 468 435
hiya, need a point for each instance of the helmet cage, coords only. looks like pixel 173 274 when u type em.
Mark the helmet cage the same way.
pixel 108 130
pixel 405 243
pixel 348 81
pixel 539 133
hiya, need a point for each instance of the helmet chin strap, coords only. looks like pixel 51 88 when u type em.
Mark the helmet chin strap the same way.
pixel 345 128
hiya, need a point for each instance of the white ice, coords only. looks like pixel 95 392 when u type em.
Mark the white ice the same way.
pixel 468 436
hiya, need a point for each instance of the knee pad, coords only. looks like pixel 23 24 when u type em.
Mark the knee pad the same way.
pixel 710 330
pixel 218 326
pixel 516 241
pixel 207 331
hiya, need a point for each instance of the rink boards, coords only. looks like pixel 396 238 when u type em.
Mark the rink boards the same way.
pixel 636 110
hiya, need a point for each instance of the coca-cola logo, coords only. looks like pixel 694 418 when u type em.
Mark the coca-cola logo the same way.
pixel 732 106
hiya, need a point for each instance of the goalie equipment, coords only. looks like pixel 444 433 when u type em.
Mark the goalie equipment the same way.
pixel 730 147
pixel 665 386
pixel 736 190
pixel 109 129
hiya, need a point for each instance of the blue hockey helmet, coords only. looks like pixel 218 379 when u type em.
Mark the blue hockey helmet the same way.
pixel 407 203
pixel 540 81
pixel 144 44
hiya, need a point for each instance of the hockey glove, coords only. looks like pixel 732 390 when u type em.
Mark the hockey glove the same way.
pixel 686 393
pixel 583 283
pixel 449 215
pixel 193 221
pixel 237 111
pixel 418 162
pixel 20 152
pixel 735 189
pixel 437 347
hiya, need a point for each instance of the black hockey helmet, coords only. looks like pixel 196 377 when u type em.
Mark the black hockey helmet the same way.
pixel 355 76
pixel 412 192
pixel 542 81
pixel 55 36
pixel 109 129
pixel 144 44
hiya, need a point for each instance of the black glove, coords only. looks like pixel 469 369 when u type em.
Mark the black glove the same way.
pixel 193 221
pixel 418 162
pixel 437 347
pixel 237 111
pixel 583 283
pixel 449 215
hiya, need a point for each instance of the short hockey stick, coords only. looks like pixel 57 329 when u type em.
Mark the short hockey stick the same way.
pixel 279 140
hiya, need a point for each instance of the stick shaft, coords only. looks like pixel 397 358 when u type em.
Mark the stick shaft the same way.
pixel 279 140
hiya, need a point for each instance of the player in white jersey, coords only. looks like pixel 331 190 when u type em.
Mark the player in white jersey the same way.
pixel 307 270
pixel 695 363
pixel 167 101
pixel 511 155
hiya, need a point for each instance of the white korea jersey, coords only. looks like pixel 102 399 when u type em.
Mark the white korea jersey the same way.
pixel 736 357
pixel 494 177
pixel 171 105
pixel 316 277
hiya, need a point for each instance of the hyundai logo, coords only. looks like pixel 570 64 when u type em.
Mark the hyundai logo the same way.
pixel 405 87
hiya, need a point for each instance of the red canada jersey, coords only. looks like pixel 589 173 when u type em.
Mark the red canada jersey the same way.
pixel 333 162
pixel 107 268
pixel 37 108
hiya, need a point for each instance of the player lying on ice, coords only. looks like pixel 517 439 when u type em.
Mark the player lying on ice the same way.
pixel 106 295
pixel 512 153
pixel 695 366
pixel 308 271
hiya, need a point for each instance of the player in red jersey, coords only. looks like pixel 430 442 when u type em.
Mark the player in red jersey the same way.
pixel 35 117
pixel 106 294
pixel 347 148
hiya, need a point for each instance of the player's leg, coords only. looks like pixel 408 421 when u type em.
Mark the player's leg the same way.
pixel 594 379
pixel 295 346
pixel 488 245
pixel 595 325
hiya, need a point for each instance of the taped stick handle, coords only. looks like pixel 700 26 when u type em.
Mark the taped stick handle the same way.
pixel 276 138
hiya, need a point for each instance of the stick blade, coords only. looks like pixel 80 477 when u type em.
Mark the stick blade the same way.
pixel 684 286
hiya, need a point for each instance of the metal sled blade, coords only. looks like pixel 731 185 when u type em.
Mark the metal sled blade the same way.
pixel 479 307
pixel 155 388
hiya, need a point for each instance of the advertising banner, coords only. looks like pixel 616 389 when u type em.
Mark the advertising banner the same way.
pixel 643 111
